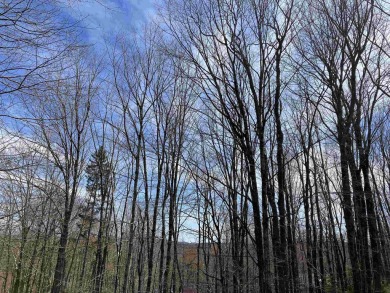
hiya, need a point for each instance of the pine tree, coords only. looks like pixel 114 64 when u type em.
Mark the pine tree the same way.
pixel 99 186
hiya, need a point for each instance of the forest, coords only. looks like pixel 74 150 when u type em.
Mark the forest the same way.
pixel 222 146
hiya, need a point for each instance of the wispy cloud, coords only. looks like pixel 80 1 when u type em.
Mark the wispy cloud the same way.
pixel 104 19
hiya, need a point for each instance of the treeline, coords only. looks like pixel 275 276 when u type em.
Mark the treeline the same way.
pixel 228 146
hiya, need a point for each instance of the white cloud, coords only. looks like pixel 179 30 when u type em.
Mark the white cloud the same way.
pixel 105 19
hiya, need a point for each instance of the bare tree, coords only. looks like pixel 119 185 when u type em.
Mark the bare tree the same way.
pixel 343 63
pixel 61 128
pixel 35 35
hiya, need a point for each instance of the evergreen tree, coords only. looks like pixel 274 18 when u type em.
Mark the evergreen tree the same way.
pixel 99 187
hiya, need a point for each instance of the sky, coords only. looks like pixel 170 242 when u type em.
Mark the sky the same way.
pixel 104 19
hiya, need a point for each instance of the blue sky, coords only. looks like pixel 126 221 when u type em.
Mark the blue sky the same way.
pixel 104 19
